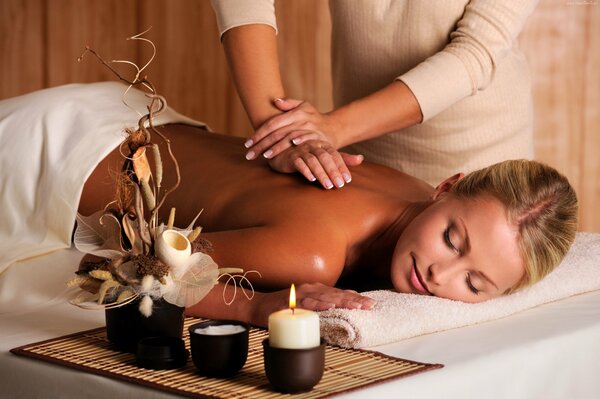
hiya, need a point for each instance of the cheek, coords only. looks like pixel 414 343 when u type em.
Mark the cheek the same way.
pixel 427 228
pixel 456 291
pixel 427 240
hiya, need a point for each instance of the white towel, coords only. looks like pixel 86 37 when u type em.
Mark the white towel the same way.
pixel 399 316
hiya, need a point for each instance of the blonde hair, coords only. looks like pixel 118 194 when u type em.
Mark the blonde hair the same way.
pixel 539 201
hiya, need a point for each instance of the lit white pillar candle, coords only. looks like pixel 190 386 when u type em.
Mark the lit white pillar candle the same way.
pixel 294 328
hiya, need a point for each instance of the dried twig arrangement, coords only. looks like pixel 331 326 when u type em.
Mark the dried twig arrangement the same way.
pixel 138 256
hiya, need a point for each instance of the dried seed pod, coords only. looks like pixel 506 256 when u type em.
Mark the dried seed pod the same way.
pixel 171 221
pixel 136 243
pixel 147 194
pixel 139 212
pixel 125 295
pixel 108 284
pixel 126 273
pixel 230 270
pixel 158 166
pixel 78 281
pixel 195 234
pixel 101 275
pixel 136 139
pixel 141 166
pixel 145 265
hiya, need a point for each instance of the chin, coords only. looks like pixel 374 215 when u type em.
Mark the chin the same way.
pixel 402 287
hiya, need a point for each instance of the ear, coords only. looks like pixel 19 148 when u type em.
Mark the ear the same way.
pixel 445 186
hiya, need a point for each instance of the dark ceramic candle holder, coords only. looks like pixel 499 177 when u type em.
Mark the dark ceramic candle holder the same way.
pixel 294 370
pixel 161 353
pixel 125 325
pixel 219 356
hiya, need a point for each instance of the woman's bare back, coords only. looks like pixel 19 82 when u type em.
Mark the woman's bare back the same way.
pixel 279 224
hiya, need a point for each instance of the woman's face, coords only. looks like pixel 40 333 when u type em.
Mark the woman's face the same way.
pixel 460 249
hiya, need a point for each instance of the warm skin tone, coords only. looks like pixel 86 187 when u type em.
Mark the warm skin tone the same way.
pixel 370 231
pixel 251 51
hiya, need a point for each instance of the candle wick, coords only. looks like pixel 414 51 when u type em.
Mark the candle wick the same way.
pixel 293 310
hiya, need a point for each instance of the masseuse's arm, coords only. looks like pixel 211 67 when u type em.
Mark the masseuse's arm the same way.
pixel 391 108
pixel 251 52
pixel 483 36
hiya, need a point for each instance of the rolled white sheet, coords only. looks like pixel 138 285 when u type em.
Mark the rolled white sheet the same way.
pixel 399 316
pixel 50 142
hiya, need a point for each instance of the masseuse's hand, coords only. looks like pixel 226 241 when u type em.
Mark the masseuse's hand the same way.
pixel 313 296
pixel 299 122
pixel 317 160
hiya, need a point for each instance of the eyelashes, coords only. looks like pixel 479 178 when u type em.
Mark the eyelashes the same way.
pixel 470 285
pixel 454 248
pixel 449 241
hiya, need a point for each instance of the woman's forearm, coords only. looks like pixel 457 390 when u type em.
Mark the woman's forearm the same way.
pixel 256 311
pixel 392 108
pixel 214 305
pixel 251 52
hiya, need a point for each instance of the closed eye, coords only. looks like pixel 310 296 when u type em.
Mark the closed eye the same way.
pixel 470 285
pixel 449 241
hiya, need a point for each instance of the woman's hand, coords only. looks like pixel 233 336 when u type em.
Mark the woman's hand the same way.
pixel 311 296
pixel 317 160
pixel 300 122
pixel 301 139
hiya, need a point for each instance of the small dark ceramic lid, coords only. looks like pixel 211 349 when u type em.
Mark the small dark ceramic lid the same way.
pixel 161 353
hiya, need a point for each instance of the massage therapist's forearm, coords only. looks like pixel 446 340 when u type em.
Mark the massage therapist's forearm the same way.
pixel 251 52
pixel 392 108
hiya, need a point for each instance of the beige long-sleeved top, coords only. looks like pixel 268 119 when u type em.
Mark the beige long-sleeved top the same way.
pixel 459 58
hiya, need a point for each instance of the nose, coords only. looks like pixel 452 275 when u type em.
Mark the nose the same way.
pixel 440 273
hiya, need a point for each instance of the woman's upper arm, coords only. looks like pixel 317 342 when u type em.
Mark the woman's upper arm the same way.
pixel 483 36
pixel 281 254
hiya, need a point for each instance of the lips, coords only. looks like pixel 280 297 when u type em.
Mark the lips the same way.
pixel 417 280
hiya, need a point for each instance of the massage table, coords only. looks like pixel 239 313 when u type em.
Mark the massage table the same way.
pixel 548 351
pixel 552 351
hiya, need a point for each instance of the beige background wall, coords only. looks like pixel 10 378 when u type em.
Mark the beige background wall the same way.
pixel 40 41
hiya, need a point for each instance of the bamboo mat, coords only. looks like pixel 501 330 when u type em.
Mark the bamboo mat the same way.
pixel 345 369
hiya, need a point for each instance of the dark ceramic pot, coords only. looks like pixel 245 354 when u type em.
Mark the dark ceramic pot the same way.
pixel 125 325
pixel 294 370
pixel 220 356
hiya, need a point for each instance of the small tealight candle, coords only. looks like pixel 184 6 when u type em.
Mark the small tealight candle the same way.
pixel 294 328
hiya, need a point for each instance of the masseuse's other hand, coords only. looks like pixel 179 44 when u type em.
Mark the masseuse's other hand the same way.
pixel 317 160
pixel 299 122
pixel 313 296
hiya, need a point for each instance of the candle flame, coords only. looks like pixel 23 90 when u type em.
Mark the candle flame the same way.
pixel 292 297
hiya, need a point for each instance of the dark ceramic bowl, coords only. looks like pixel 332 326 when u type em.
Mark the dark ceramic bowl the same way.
pixel 219 356
pixel 161 353
pixel 294 370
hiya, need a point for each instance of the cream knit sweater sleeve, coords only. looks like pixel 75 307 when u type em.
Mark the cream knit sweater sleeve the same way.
pixel 483 36
pixel 232 13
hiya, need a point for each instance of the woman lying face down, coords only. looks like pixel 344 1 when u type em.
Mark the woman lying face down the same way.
pixel 470 239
